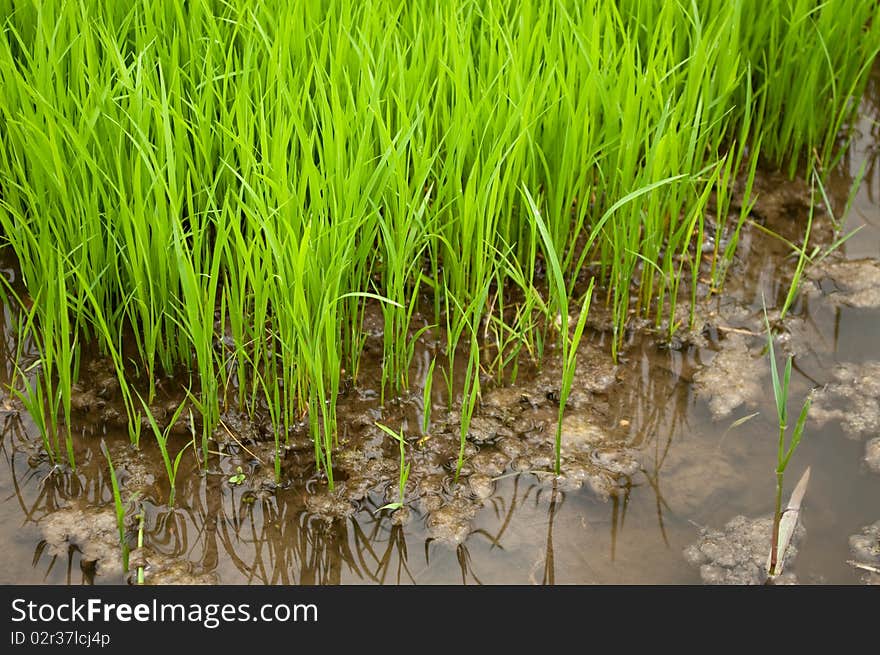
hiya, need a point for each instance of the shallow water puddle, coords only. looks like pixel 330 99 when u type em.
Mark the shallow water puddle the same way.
pixel 668 453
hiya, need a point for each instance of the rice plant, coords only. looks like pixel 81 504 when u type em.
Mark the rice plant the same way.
pixel 784 450
pixel 569 343
pixel 404 467
pixel 171 466
pixel 225 191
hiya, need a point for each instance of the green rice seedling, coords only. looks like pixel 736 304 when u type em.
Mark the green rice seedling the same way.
pixel 427 400
pixel 569 342
pixel 569 367
pixel 95 315
pixel 32 396
pixel 119 506
pixel 272 393
pixel 171 466
pixel 784 452
pixel 141 516
pixel 816 255
pixel 796 123
pixel 719 272
pixel 511 336
pixel 787 527
pixel 48 397
pixel 404 467
pixel 199 254
pixel 794 287
pixel 690 237
pixel 31 390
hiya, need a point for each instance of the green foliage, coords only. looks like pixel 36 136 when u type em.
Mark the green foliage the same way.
pixel 404 467
pixel 239 477
pixel 171 466
pixel 235 186
pixel 784 453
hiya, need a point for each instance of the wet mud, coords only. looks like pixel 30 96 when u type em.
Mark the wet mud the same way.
pixel 737 553
pixel 865 550
pixel 852 398
pixel 92 531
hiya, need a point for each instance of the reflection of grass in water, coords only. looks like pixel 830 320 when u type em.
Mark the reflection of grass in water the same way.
pixel 232 187
pixel 171 466
pixel 119 507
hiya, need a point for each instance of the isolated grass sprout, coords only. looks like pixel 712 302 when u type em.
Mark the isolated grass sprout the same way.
pixel 141 516
pixel 784 452
pixel 427 401
pixel 171 465
pixel 404 467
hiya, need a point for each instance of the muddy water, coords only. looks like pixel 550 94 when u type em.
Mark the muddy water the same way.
pixel 665 479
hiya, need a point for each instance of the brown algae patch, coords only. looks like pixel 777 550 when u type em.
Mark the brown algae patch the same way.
pixel 853 398
pixel 329 505
pixel 135 471
pixel 162 569
pixel 451 523
pixel 737 554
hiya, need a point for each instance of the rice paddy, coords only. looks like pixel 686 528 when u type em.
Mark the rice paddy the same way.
pixel 217 198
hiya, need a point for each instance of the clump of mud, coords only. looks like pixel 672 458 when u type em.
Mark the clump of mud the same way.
pixel 853 398
pixel 865 548
pixel 590 459
pixel 135 472
pixel 778 197
pixel 854 282
pixel 329 505
pixel 737 554
pixel 162 569
pixel 91 530
pixel 512 432
pixel 733 378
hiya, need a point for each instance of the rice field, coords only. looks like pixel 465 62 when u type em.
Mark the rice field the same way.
pixel 219 192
